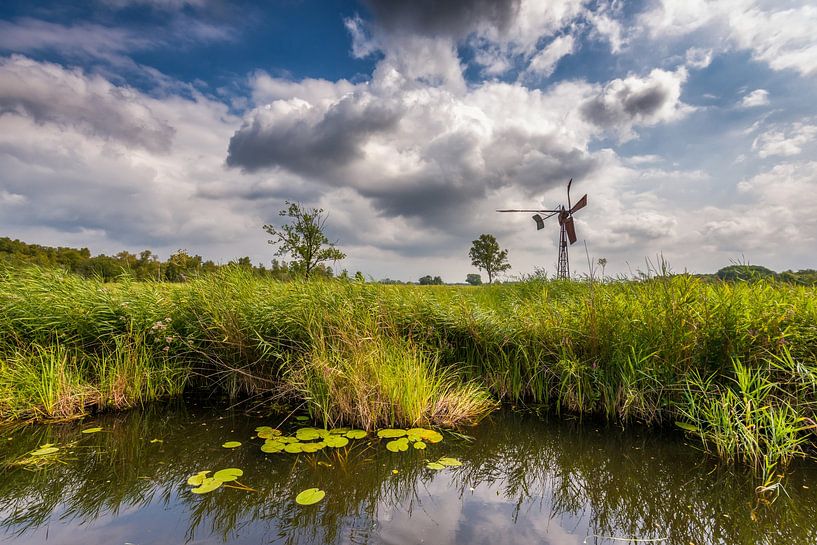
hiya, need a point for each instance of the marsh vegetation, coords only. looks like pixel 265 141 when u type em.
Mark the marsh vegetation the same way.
pixel 733 364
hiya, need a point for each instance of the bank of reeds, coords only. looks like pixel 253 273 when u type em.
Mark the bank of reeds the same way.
pixel 734 363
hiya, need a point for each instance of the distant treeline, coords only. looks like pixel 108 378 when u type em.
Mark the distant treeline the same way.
pixel 803 277
pixel 181 266
pixel 143 266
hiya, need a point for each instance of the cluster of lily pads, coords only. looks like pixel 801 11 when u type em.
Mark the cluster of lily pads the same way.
pixel 203 484
pixel 306 439
pixel 314 439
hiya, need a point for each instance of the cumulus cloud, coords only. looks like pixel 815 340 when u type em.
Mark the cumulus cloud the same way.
pixel 544 62
pixel 48 93
pixel 784 141
pixel 84 159
pixel 758 97
pixel 633 100
pixel 752 25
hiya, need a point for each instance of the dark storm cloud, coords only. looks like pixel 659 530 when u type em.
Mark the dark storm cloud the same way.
pixel 310 147
pixel 449 18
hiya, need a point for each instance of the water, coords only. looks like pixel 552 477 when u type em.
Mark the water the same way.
pixel 524 480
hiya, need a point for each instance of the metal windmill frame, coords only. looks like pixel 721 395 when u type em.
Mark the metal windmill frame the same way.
pixel 567 229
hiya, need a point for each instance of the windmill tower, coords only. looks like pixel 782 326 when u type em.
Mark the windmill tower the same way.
pixel 567 230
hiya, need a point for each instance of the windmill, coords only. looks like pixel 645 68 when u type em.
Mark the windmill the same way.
pixel 567 230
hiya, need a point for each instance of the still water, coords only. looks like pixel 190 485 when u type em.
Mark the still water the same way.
pixel 523 480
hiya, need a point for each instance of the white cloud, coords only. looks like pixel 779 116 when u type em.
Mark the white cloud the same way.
pixel 780 34
pixel 697 57
pixel 626 102
pixel 545 61
pixel 758 97
pixel 785 141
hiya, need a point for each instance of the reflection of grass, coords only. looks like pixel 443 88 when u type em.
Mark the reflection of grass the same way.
pixel 653 351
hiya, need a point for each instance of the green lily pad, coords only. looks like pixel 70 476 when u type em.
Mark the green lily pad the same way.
pixel 435 466
pixel 336 441
pixel 398 445
pixel 294 448
pixel 450 462
pixel 272 447
pixel 301 418
pixel 91 430
pixel 266 432
pixel 231 444
pixel 390 433
pixel 339 431
pixel 44 450
pixel 356 434
pixel 286 439
pixel 307 434
pixel 419 445
pixel 208 485
pixel 228 475
pixel 312 447
pixel 198 478
pixel 310 496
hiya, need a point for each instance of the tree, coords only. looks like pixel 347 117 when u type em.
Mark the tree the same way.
pixel 304 239
pixel 474 279
pixel 427 280
pixel 486 254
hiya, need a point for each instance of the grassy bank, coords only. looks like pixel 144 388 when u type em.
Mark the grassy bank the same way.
pixel 734 363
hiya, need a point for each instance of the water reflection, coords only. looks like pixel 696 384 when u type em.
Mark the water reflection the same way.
pixel 523 480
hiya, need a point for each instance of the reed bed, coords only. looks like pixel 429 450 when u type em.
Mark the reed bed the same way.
pixel 733 363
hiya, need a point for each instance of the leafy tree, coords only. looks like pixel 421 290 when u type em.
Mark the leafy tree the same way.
pixel 303 239
pixel 486 254
pixel 474 279
pixel 427 280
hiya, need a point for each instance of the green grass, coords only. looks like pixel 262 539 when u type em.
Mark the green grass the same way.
pixel 734 362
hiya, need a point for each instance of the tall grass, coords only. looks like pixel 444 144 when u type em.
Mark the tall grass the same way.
pixel 734 362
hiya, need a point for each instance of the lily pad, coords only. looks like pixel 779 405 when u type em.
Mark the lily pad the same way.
pixel 44 450
pixel 356 434
pixel 450 462
pixel 302 418
pixel 266 432
pixel 307 434
pixel 231 444
pixel 310 496
pixel 391 433
pixel 294 448
pixel 228 475
pixel 336 441
pixel 419 445
pixel 339 431
pixel 286 439
pixel 435 466
pixel 313 447
pixel 208 485
pixel 398 445
pixel 198 478
pixel 272 447
pixel 91 430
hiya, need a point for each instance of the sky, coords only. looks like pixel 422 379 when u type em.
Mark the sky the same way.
pixel 186 124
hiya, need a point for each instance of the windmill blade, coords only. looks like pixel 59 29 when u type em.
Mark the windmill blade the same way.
pixel 579 205
pixel 568 192
pixel 571 230
pixel 540 223
pixel 528 210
